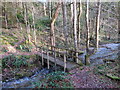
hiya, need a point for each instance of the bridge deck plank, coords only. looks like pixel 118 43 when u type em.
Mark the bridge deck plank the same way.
pixel 59 62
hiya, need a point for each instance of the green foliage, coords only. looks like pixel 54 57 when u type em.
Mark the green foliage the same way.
pixel 20 61
pixel 23 48
pixel 6 39
pixel 20 17
pixel 110 70
pixel 30 18
pixel 42 23
pixel 4 50
pixel 16 61
pixel 0 66
pixel 54 80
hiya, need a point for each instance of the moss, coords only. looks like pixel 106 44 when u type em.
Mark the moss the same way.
pixel 113 76
pixel 80 63
pixel 81 52
pixel 23 74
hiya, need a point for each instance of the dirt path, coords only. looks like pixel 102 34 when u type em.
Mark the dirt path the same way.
pixel 87 79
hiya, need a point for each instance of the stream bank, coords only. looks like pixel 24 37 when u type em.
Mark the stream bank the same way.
pixel 107 51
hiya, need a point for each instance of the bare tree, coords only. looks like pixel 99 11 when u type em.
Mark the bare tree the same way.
pixel 118 30
pixel 5 15
pixel 18 21
pixel 71 6
pixel 75 29
pixel 44 7
pixel 78 18
pixel 65 22
pixel 33 16
pixel 26 21
pixel 50 9
pixel 52 29
pixel 88 34
pixel 98 24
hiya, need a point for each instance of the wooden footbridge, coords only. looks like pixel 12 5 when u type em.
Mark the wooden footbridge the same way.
pixel 58 57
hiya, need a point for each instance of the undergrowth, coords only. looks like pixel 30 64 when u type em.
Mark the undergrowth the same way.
pixel 15 61
pixel 110 70
pixel 54 80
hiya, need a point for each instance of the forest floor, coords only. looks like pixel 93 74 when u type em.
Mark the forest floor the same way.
pixel 83 77
pixel 86 78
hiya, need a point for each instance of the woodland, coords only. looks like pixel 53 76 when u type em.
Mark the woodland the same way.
pixel 62 44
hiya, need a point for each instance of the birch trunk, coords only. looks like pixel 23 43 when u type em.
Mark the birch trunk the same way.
pixel 71 11
pixel 87 61
pixel 75 29
pixel 50 9
pixel 44 7
pixel 79 15
pixel 98 24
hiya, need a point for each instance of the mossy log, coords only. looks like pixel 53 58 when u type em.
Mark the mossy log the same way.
pixel 113 77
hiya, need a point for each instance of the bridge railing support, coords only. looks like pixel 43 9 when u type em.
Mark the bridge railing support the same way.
pixel 48 63
pixel 55 58
pixel 76 57
pixel 42 58
pixel 55 51
pixel 64 62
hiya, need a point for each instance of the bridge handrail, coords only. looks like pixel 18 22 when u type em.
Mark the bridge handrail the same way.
pixel 62 48
pixel 65 55
pixel 58 51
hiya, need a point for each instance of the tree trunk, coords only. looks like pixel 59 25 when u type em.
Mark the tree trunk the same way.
pixel 17 20
pixel 26 22
pixel 52 31
pixel 50 9
pixel 71 11
pixel 33 11
pixel 119 24
pixel 87 61
pixel 98 24
pixel 79 15
pixel 71 19
pixel 64 9
pixel 44 7
pixel 87 26
pixel 75 29
pixel 5 15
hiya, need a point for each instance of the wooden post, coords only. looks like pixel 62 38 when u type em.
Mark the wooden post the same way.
pixel 73 55
pixel 76 57
pixel 66 54
pixel 48 59
pixel 64 62
pixel 42 59
pixel 55 61
pixel 55 57
pixel 59 53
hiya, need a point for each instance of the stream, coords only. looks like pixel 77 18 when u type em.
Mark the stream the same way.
pixel 26 82
pixel 106 51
